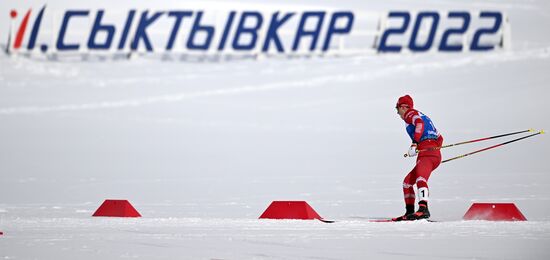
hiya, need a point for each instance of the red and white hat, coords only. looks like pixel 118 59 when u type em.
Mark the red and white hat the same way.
pixel 405 100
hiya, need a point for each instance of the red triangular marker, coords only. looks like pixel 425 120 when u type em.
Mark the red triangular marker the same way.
pixel 494 212
pixel 116 208
pixel 290 210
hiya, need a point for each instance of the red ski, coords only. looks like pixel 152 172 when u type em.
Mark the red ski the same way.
pixel 391 220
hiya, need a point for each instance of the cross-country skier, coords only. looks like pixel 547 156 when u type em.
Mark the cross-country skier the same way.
pixel 424 138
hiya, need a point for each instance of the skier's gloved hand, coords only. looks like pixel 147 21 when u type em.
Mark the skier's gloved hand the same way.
pixel 412 151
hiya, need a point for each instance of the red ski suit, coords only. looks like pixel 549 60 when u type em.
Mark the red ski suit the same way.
pixel 426 162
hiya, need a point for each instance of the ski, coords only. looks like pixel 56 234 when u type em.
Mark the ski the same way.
pixel 384 219
pixel 391 220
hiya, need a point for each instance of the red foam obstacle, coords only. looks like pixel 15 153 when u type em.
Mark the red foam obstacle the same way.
pixel 290 210
pixel 494 212
pixel 116 208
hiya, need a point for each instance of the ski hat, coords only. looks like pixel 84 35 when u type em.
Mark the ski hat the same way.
pixel 405 100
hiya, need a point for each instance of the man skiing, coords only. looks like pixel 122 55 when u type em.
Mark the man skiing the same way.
pixel 425 143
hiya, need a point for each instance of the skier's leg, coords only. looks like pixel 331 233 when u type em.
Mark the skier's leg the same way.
pixel 424 168
pixel 408 190
pixel 423 172
pixel 408 193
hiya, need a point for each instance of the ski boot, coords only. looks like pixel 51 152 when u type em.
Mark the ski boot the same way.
pixel 409 211
pixel 422 213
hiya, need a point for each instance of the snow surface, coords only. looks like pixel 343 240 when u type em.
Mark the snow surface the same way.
pixel 202 148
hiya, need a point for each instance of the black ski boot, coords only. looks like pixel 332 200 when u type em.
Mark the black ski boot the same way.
pixel 422 213
pixel 409 210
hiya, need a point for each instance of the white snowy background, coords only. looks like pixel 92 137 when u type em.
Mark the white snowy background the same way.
pixel 202 148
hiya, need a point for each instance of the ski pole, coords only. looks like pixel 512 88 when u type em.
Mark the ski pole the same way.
pixel 472 141
pixel 491 147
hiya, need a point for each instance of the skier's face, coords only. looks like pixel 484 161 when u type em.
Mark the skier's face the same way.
pixel 401 110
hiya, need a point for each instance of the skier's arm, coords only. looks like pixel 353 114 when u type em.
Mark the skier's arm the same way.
pixel 414 118
pixel 419 128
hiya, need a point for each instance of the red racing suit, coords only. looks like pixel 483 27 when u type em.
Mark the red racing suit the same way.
pixel 423 133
